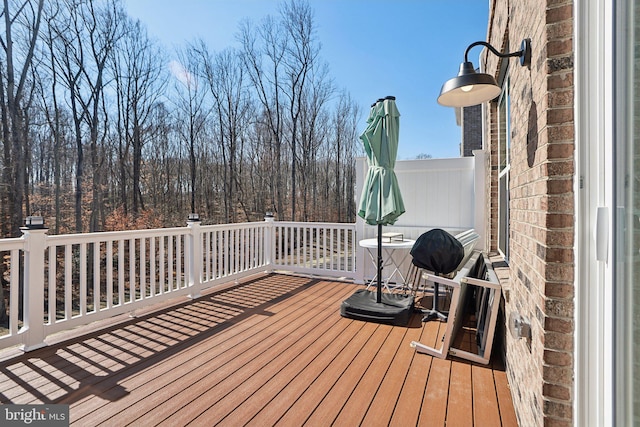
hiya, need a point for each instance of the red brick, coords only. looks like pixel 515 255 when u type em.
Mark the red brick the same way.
pixel 561 150
pixel 554 422
pixel 554 324
pixel 560 115
pixel 559 47
pixel 559 14
pixel 558 341
pixel 558 307
pixel 556 391
pixel 560 98
pixel 558 290
pixel 560 81
pixel 559 220
pixel 558 409
pixel 558 358
pixel 557 375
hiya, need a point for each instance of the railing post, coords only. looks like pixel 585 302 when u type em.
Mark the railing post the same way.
pixel 35 236
pixel 269 240
pixel 194 255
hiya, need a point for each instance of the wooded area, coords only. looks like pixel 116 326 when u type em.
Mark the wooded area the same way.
pixel 101 130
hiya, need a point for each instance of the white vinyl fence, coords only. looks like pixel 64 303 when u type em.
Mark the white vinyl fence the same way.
pixel 437 193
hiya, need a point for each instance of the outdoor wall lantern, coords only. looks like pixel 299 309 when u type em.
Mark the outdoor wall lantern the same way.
pixel 472 88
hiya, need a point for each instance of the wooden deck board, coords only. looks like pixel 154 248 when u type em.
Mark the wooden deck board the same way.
pixel 355 408
pixel 273 412
pixel 486 415
pixel 505 403
pixel 194 381
pixel 460 405
pixel 272 351
pixel 298 413
pixel 216 403
pixel 328 409
pixel 272 390
pixel 407 411
pixel 381 409
pixel 436 398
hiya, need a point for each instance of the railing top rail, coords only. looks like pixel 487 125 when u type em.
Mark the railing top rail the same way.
pixel 114 235
pixel 236 226
pixel 316 224
pixel 11 244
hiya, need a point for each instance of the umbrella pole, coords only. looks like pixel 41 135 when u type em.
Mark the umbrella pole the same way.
pixel 379 287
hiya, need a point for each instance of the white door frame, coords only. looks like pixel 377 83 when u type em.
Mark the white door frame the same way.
pixel 593 74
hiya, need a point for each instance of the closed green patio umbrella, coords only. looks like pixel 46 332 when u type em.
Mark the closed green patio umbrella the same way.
pixel 381 201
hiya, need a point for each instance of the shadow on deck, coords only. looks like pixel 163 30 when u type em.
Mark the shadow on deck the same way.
pixel 271 350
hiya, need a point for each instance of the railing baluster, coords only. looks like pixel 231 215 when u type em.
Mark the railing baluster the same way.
pixel 120 272
pixel 132 269
pixel 143 268
pixel 96 276
pixel 302 235
pixel 52 282
pixel 340 252
pixel 170 274
pixel 215 261
pixel 296 257
pixel 83 280
pixel 152 266
pixel 207 258
pixel 162 261
pixel 339 248
pixel 234 252
pixel 109 271
pixel 14 291
pixel 321 248
pixel 179 276
pixel 242 247
pixel 68 296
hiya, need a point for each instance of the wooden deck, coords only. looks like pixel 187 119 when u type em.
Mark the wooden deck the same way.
pixel 272 351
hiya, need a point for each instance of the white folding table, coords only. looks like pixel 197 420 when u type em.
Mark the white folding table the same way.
pixel 395 252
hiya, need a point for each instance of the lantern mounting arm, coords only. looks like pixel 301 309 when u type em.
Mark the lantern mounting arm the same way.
pixel 524 53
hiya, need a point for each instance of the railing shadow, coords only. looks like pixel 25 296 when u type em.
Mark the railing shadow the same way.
pixel 94 364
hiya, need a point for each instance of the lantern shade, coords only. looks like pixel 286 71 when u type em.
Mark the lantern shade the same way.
pixel 468 88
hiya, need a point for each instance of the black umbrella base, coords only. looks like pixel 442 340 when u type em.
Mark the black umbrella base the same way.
pixel 394 309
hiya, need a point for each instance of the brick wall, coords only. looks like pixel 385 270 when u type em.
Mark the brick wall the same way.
pixel 539 275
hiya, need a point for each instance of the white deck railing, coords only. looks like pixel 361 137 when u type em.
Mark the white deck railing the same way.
pixel 60 282
pixel 54 283
pixel 327 249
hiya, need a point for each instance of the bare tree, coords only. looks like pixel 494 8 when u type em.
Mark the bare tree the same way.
pixel 263 50
pixel 84 37
pixel 301 50
pixel 18 41
pixel 344 146
pixel 243 132
pixel 191 108
pixel 140 80
pixel 313 132
pixel 225 77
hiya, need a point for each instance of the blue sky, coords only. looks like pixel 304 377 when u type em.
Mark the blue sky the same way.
pixel 374 48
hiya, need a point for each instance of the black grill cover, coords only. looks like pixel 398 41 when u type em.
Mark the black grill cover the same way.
pixel 437 251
